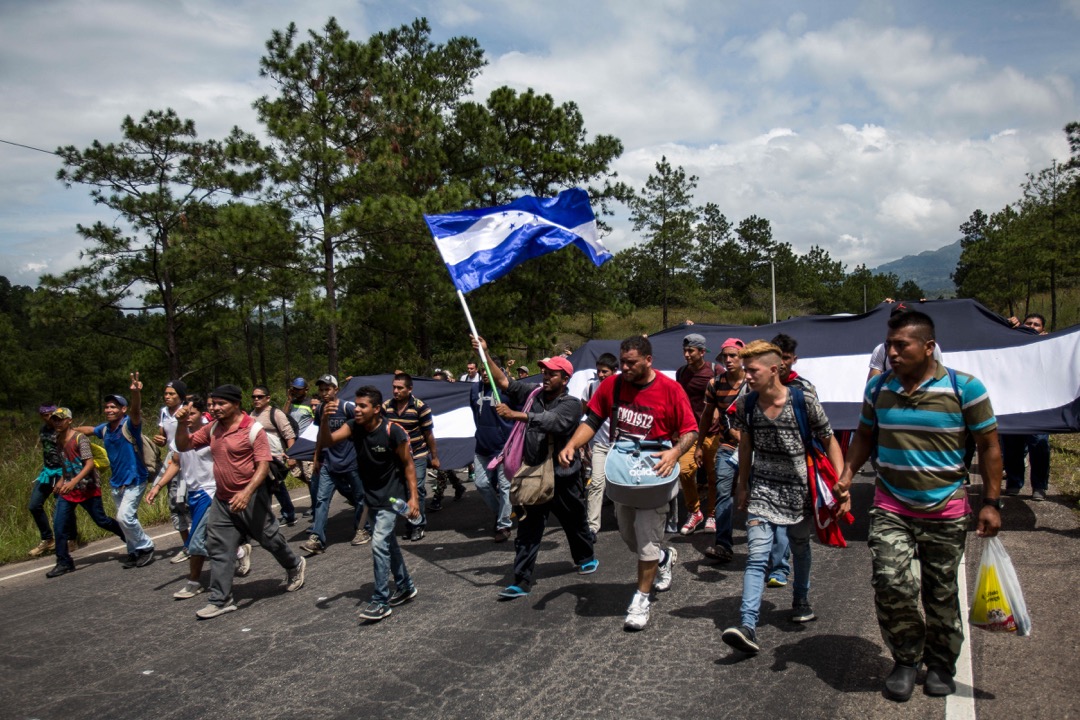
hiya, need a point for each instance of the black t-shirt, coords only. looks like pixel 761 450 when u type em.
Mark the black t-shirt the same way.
pixel 380 468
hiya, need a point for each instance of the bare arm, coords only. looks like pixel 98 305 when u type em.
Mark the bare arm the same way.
pixel 135 409
pixel 404 453
pixel 581 436
pixel 433 455
pixel 166 477
pixel 989 522
pixel 746 457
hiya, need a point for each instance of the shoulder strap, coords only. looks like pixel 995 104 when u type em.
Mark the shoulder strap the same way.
pixel 798 404
pixel 613 429
pixel 274 422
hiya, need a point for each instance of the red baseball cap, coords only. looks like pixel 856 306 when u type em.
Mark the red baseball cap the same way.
pixel 558 363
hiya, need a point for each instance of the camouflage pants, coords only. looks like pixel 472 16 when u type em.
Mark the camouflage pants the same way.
pixel 898 586
pixel 442 479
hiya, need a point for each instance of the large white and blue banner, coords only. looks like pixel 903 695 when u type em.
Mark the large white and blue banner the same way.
pixel 479 246
pixel 1033 380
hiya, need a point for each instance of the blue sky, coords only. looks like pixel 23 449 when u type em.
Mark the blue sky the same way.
pixel 872 129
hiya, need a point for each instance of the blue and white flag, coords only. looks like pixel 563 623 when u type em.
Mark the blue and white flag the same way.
pixel 479 246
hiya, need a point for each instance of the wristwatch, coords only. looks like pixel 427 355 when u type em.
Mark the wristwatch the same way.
pixel 995 502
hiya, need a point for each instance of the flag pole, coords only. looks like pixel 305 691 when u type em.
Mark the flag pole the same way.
pixel 479 345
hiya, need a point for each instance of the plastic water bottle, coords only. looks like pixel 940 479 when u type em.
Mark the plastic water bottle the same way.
pixel 402 508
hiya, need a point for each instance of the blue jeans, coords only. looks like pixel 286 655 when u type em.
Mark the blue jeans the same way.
pixel 779 567
pixel 421 488
pixel 349 485
pixel 760 534
pixel 127 499
pixel 496 497
pixel 64 518
pixel 725 482
pixel 38 495
pixel 386 556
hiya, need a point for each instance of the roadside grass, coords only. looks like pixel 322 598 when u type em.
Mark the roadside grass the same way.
pixel 1065 464
pixel 20 463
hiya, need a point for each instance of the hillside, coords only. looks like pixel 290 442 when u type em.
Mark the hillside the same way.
pixel 930 269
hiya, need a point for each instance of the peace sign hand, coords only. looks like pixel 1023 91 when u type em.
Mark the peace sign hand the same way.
pixel 136 384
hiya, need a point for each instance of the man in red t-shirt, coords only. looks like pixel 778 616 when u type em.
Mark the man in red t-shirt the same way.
pixel 651 407
pixel 241 505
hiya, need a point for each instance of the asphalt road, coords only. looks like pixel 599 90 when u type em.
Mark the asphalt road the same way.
pixel 110 642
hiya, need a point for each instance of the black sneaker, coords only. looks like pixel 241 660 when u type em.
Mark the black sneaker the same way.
pixel 128 561
pixel 287 521
pixel 801 611
pixel 416 533
pixel 402 596
pixel 144 557
pixel 459 490
pixel 435 505
pixel 60 569
pixel 374 612
pixel 742 638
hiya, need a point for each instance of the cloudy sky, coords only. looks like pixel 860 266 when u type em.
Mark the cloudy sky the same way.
pixel 870 128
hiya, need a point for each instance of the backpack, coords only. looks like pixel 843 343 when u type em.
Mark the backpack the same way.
pixel 146 451
pixel 292 423
pixel 101 458
pixel 273 478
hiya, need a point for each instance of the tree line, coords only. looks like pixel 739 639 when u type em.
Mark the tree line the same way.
pixel 1030 246
pixel 236 259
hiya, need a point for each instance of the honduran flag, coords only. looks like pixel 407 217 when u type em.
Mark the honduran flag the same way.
pixel 479 246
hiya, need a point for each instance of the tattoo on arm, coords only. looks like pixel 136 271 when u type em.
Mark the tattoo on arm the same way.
pixel 687 441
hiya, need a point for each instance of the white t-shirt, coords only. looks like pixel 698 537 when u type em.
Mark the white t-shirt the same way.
pixel 466 378
pixel 167 421
pixel 197 470
pixel 879 359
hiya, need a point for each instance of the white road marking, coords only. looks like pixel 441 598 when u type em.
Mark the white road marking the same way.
pixel 115 548
pixel 961 704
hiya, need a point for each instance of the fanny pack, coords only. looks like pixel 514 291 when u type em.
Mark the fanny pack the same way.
pixel 631 479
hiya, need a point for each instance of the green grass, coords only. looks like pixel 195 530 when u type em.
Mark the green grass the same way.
pixel 1065 464
pixel 20 463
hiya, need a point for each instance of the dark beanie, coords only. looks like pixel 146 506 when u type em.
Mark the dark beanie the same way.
pixel 179 387
pixel 228 392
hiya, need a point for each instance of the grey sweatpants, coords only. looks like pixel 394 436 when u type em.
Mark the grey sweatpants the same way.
pixel 225 530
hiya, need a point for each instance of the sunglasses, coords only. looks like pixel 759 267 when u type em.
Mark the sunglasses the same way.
pixel 259 397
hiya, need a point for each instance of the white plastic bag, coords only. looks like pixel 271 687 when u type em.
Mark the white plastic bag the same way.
pixel 998 604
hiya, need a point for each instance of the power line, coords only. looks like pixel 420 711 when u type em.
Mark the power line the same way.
pixel 29 147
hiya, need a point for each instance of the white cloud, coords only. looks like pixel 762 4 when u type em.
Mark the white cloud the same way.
pixel 870 136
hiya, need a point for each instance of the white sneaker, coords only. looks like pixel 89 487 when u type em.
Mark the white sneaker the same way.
pixel 190 590
pixel 637 615
pixel 243 560
pixel 179 557
pixel 208 612
pixel 662 581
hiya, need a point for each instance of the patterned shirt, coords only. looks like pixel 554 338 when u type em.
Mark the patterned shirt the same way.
pixel 414 419
pixel 779 491
pixel 720 394
pixel 921 437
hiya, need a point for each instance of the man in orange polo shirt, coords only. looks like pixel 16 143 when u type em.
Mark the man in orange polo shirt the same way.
pixel 241 506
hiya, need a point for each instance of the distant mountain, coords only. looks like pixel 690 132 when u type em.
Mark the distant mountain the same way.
pixel 930 269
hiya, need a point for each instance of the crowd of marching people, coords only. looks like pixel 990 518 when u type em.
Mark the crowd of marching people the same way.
pixel 730 433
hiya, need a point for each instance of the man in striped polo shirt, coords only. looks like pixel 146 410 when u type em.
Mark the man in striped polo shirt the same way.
pixel 915 421
pixel 414 417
